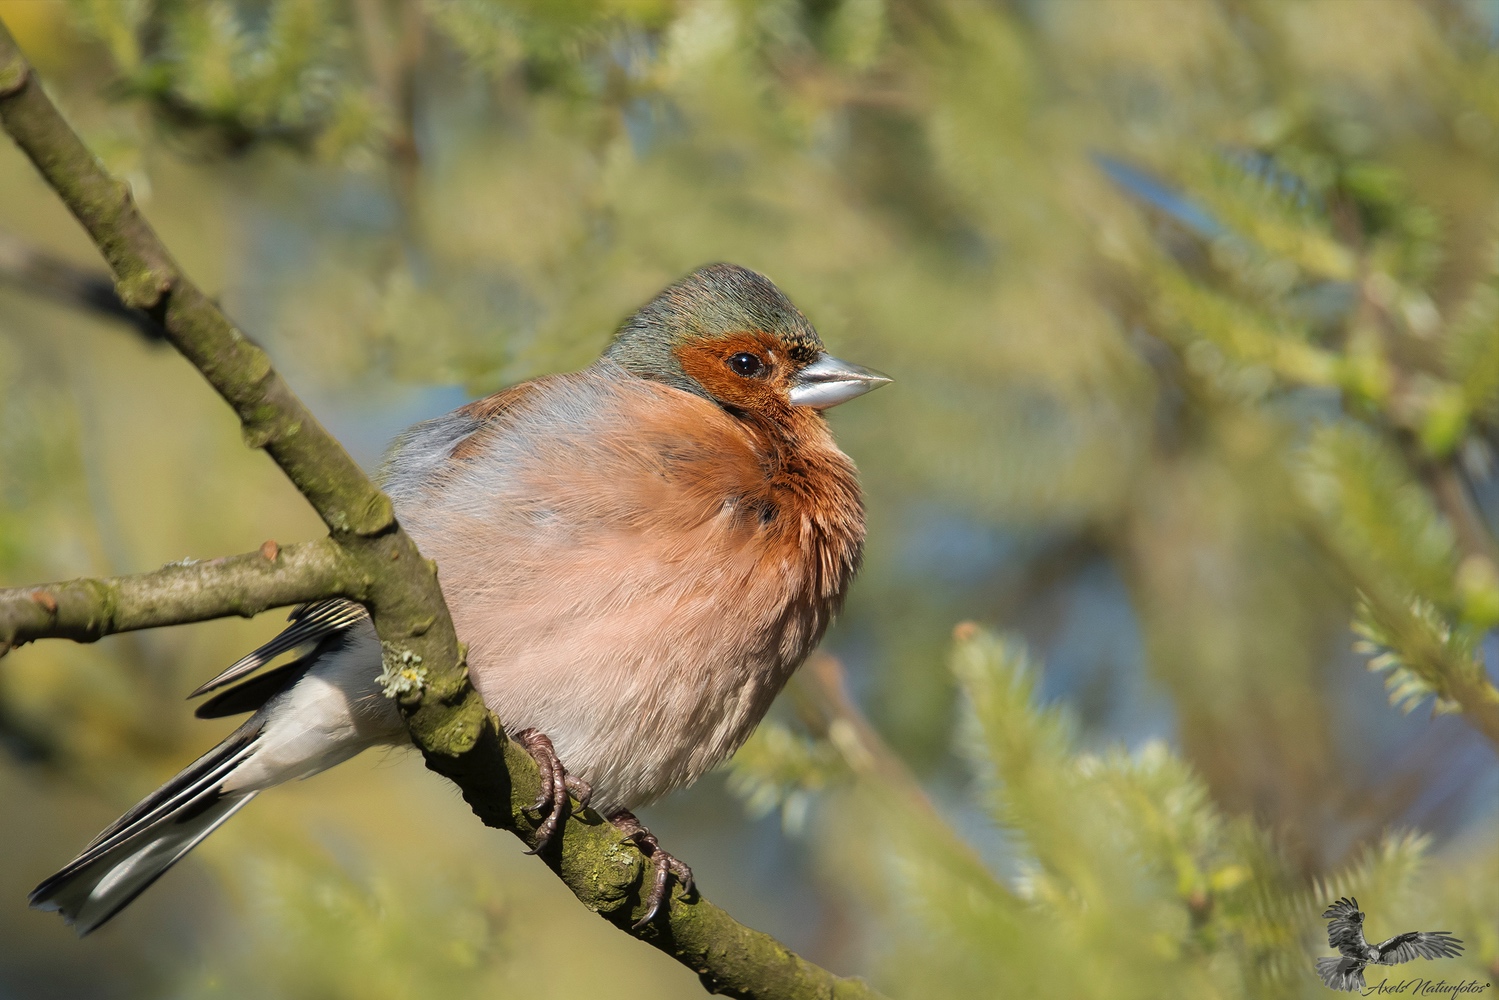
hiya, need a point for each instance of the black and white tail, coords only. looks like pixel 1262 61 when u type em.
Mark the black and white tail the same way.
pixel 310 714
pixel 1342 973
pixel 142 844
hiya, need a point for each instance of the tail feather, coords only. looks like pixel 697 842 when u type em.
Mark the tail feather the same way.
pixel 141 845
pixel 1342 973
pixel 202 775
pixel 309 715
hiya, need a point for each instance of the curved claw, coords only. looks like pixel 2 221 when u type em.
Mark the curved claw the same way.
pixel 556 784
pixel 660 883
pixel 580 789
pixel 663 866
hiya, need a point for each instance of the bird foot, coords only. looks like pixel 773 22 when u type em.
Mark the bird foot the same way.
pixel 664 867
pixel 556 785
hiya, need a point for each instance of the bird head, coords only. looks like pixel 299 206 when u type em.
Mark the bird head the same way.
pixel 727 333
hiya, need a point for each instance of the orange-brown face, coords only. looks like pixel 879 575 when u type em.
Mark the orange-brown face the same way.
pixel 753 371
pixel 729 334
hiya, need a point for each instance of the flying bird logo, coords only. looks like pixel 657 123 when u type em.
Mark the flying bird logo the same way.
pixel 1345 932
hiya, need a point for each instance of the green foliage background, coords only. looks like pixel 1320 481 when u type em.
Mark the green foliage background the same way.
pixel 1193 309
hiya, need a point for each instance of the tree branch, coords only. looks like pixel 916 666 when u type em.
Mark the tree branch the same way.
pixel 148 279
pixel 377 564
pixel 188 591
pixel 1479 701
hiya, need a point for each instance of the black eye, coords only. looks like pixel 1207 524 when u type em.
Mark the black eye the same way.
pixel 746 364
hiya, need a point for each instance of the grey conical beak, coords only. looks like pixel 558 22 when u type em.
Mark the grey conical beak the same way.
pixel 828 381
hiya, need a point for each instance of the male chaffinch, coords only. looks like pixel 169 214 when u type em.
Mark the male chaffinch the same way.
pixel 638 556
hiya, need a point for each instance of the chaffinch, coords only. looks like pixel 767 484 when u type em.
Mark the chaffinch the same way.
pixel 638 556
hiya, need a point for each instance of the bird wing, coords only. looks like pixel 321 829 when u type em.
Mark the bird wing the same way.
pixel 1343 933
pixel 428 457
pixel 492 409
pixel 1342 973
pixel 1412 945
pixel 314 622
pixel 309 624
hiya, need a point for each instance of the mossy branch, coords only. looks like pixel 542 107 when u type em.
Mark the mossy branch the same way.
pixel 367 557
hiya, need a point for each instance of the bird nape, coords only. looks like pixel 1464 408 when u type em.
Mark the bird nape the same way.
pixel 1345 932
pixel 638 555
